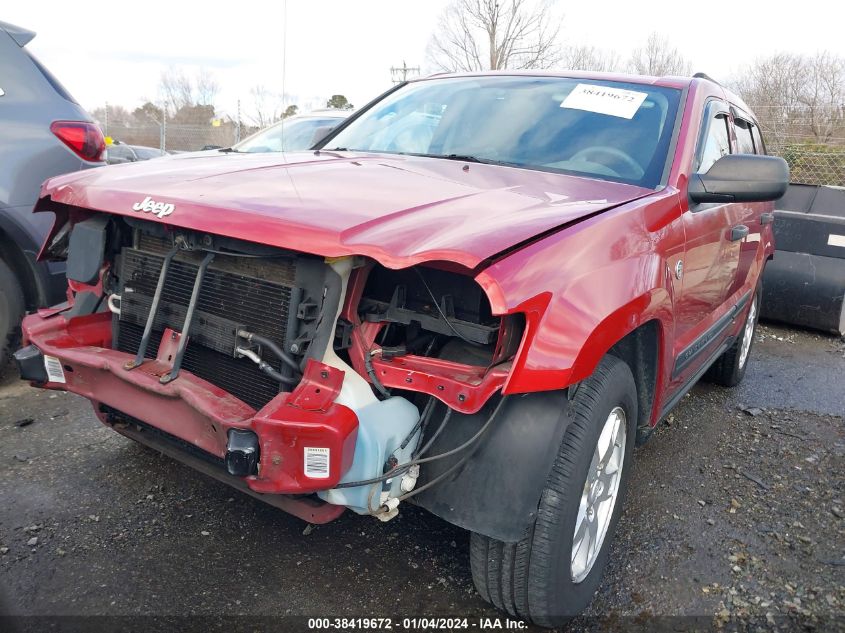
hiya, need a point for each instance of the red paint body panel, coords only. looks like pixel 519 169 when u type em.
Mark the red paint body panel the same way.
pixel 307 417
pixel 610 277
pixel 398 210
pixel 464 388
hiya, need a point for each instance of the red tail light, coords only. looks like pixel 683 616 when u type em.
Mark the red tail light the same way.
pixel 85 139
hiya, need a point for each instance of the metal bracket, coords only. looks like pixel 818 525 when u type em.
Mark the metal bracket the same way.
pixel 319 387
pixel 189 317
pixel 148 327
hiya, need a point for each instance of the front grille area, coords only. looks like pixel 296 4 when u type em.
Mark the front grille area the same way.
pixel 237 292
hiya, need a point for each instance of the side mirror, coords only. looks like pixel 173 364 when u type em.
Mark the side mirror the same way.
pixel 741 178
pixel 320 133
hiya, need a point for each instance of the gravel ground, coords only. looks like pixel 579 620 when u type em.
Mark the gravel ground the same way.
pixel 735 515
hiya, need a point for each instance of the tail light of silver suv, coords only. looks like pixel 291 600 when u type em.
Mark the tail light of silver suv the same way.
pixel 84 138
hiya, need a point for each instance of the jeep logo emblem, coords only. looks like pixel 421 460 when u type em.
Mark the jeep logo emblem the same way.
pixel 160 209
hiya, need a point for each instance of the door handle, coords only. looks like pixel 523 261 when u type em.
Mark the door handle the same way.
pixel 738 232
pixel 767 218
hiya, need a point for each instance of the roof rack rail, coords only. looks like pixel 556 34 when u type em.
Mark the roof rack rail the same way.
pixel 705 76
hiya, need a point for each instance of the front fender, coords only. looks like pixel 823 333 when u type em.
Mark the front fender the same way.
pixel 584 289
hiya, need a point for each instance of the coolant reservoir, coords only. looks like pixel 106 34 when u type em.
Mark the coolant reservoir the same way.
pixel 382 427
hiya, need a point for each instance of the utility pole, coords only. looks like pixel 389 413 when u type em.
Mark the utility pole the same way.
pixel 403 73
pixel 163 127
pixel 238 125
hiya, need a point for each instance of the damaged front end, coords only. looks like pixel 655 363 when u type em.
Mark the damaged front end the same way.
pixel 314 383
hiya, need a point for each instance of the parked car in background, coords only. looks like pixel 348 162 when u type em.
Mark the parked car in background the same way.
pixel 295 133
pixel 43 132
pixel 123 153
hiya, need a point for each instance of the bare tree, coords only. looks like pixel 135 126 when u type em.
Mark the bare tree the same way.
pixel 179 91
pixel 112 117
pixel 797 96
pixel 206 87
pixel 266 106
pixel 658 58
pixel 774 80
pixel 175 88
pixel 823 94
pixel 590 58
pixel 475 35
pixel 771 86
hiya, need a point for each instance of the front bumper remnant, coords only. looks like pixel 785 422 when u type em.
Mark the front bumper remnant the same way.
pixel 191 412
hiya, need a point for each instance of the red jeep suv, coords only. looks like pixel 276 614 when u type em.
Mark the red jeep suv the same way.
pixel 475 295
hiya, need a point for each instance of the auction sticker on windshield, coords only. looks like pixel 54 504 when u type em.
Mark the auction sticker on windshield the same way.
pixel 603 100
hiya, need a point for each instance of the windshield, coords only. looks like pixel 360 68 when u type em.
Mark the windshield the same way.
pixel 600 129
pixel 298 135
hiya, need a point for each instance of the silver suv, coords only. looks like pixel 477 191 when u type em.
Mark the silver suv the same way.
pixel 43 132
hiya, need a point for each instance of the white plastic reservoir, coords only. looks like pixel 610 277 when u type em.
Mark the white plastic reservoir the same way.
pixel 382 426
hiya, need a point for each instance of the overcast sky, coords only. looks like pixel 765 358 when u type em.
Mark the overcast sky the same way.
pixel 116 51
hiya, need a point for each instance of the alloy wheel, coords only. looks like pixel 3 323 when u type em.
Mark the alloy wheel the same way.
pixel 598 498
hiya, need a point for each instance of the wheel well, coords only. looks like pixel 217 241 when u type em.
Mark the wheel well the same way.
pixel 17 261
pixel 640 349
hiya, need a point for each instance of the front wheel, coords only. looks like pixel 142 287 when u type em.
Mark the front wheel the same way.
pixel 552 574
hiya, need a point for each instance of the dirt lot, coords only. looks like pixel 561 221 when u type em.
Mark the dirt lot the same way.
pixel 735 514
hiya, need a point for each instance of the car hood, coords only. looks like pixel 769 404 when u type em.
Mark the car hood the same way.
pixel 399 210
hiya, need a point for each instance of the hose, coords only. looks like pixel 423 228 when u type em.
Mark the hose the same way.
pixel 265 367
pixel 443 475
pixel 428 444
pixel 426 412
pixel 399 470
pixel 278 351
pixel 422 460
pixel 457 464
pixel 371 372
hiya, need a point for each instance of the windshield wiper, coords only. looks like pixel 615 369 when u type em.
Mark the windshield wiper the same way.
pixel 229 150
pixel 465 158
pixel 469 158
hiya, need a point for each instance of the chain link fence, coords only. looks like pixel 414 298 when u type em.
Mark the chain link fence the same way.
pixel 810 138
pixel 179 137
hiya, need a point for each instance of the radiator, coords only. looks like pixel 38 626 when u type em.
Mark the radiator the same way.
pixel 258 295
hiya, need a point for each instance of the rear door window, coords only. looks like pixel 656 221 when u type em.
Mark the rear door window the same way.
pixel 758 140
pixel 744 139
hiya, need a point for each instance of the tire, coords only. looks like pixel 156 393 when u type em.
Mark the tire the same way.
pixel 729 368
pixel 535 578
pixel 11 311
